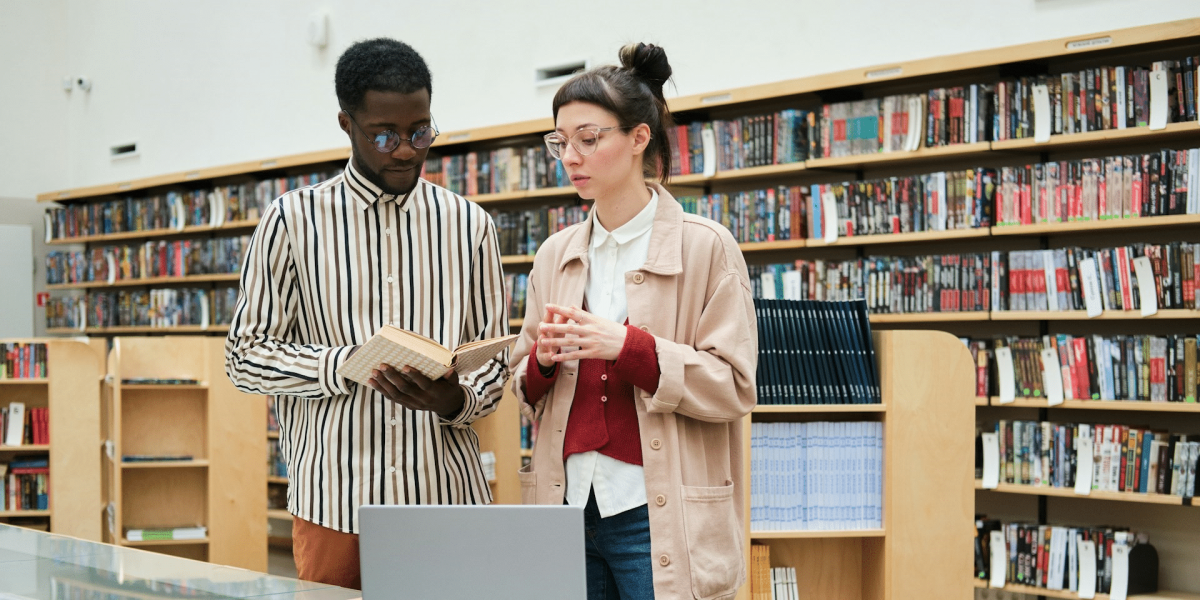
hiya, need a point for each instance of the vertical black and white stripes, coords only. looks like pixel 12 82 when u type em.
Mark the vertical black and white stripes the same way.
pixel 328 265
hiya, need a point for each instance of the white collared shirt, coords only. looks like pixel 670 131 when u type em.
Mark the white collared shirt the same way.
pixel 619 486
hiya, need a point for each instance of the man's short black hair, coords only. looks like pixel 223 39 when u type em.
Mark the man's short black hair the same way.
pixel 381 64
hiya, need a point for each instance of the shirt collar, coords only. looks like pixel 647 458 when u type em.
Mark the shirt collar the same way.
pixel 367 193
pixel 635 227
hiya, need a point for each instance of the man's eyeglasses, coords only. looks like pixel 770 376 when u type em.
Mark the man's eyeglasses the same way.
pixel 583 141
pixel 387 141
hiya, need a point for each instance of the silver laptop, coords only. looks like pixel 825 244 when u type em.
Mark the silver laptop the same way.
pixel 493 552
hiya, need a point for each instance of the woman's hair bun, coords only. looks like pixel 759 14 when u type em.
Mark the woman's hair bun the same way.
pixel 648 63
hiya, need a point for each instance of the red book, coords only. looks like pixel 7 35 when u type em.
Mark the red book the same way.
pixel 1080 373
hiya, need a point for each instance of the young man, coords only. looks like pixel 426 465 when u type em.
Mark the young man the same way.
pixel 327 267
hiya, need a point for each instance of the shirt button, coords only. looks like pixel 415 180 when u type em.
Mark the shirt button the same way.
pixel 664 560
pixel 393 422
pixel 387 231
pixel 604 398
pixel 638 278
pixel 656 443
pixel 604 378
pixel 660 499
pixel 391 469
pixel 390 279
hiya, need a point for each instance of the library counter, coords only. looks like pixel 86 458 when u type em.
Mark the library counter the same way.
pixel 43 566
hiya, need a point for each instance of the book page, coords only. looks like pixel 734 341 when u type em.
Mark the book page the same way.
pixel 472 355
pixel 380 350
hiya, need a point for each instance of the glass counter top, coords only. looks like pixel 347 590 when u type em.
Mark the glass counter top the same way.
pixel 42 566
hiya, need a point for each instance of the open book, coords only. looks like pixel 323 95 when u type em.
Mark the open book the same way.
pixel 399 348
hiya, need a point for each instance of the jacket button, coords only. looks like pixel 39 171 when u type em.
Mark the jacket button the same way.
pixel 638 278
pixel 664 560
pixel 660 499
pixel 644 328
pixel 656 443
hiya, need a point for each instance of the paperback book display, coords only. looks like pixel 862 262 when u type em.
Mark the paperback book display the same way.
pixel 158 258
pixel 164 307
pixel 22 360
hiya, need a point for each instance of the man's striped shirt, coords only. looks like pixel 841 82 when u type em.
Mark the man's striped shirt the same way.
pixel 327 267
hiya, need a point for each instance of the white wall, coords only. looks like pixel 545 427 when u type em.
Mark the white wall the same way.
pixel 207 83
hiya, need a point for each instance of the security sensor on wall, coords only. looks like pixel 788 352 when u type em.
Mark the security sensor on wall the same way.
pixel 318 29
pixel 84 83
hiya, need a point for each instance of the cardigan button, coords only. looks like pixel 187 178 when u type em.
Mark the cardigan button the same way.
pixel 638 278
pixel 604 398
pixel 604 377
pixel 664 560
pixel 660 500
pixel 656 443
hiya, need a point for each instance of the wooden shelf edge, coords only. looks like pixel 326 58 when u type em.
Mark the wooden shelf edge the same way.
pixel 903 238
pixel 276 479
pixel 1089 226
pixel 279 513
pixel 1128 405
pixel 125 542
pixel 27 381
pixel 1099 136
pixel 1164 499
pixel 929 317
pixel 1069 595
pixel 153 233
pixel 26 448
pixel 24 513
pixel 818 408
pixel 165 464
pixel 862 160
pixel 207 278
pixel 817 534
pixel 1079 315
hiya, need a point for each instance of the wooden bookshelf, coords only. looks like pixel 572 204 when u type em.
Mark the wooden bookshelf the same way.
pixel 516 259
pixel 902 238
pixel 1128 405
pixel 860 161
pixel 148 234
pixel 930 317
pixel 981 401
pixel 1166 221
pixel 139 329
pixel 211 422
pixel 1079 315
pixel 279 513
pixel 1041 490
pixel 277 479
pixel 1104 137
pixel 71 393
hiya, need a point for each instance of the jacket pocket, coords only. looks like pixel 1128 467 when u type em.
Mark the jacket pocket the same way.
pixel 528 484
pixel 714 540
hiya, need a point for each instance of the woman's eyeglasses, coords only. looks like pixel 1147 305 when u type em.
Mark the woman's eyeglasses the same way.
pixel 387 141
pixel 583 141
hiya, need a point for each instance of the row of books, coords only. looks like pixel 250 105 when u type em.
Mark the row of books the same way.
pixel 1104 458
pixel 276 464
pixel 1165 182
pixel 197 532
pixel 1098 98
pixel 161 258
pixel 496 171
pixel 816 476
pixel 775 138
pixel 1059 557
pixel 940 201
pixel 22 425
pixel 522 232
pixel 22 360
pixel 26 484
pixel 514 294
pixel 767 582
pixel 160 307
pixel 764 215
pixel 813 352
pixel 173 209
pixel 1142 368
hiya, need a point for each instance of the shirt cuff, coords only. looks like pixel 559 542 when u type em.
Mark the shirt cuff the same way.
pixel 537 384
pixel 328 363
pixel 637 363
pixel 469 408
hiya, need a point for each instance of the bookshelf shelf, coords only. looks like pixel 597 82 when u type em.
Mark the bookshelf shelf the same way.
pixel 930 317
pixel 277 479
pixel 139 329
pixel 26 448
pixel 125 542
pixel 902 238
pixel 556 192
pixel 28 381
pixel 1012 488
pixel 163 386
pixel 1037 591
pixel 24 513
pixel 209 278
pixel 1079 315
pixel 166 464
pixel 279 513
pixel 771 246
pixel 1130 405
pixel 155 233
pixel 515 323
pixel 516 259
pixel 981 401
pixel 815 535
pixel 766 171
pixel 526 452
pixel 1089 226
pixel 1092 138
pixel 859 161
pixel 272 435
pixel 819 408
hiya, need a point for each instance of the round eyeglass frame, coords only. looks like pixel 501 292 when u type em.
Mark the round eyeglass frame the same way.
pixel 387 140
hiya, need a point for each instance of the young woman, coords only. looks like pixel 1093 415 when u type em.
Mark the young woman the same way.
pixel 638 352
